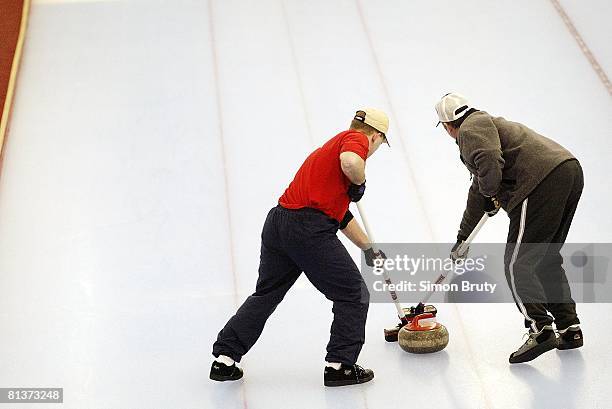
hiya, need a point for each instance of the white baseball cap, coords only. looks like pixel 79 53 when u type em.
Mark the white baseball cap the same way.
pixel 376 118
pixel 452 106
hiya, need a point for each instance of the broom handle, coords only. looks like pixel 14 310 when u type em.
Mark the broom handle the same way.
pixel 400 311
pixel 462 247
pixel 474 232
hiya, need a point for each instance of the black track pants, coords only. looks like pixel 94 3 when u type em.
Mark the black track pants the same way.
pixel 294 241
pixel 533 265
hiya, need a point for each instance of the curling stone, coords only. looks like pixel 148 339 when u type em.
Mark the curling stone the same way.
pixel 423 335
pixel 410 313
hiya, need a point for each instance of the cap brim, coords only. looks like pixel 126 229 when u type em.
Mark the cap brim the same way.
pixel 385 139
pixel 439 122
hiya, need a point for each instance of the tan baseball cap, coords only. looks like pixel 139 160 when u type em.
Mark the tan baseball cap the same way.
pixel 452 106
pixel 376 118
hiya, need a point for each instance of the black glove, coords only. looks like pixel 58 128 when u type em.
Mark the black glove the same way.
pixel 371 255
pixel 356 192
pixel 455 255
pixel 491 205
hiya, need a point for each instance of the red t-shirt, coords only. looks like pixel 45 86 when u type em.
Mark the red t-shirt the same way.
pixel 320 182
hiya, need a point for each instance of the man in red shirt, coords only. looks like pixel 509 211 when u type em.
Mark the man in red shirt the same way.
pixel 299 235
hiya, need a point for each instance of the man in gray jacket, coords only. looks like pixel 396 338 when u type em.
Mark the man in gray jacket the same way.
pixel 538 183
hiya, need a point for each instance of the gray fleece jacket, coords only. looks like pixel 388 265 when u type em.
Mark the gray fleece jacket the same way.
pixel 507 160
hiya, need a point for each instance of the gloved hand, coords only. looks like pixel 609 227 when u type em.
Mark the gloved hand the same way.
pixel 356 192
pixel 455 254
pixel 371 255
pixel 491 205
pixel 419 309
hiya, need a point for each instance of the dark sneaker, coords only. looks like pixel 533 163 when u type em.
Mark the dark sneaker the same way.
pixel 570 338
pixel 222 372
pixel 537 343
pixel 346 375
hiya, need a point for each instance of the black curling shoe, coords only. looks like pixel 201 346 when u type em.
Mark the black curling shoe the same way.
pixel 570 338
pixel 221 372
pixel 346 375
pixel 537 343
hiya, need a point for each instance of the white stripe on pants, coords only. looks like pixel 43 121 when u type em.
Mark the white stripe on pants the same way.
pixel 518 300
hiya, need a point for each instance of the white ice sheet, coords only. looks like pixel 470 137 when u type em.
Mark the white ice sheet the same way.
pixel 149 140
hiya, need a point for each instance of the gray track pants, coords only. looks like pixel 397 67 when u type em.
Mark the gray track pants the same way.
pixel 533 265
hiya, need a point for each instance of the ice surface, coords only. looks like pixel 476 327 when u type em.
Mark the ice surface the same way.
pixel 149 140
